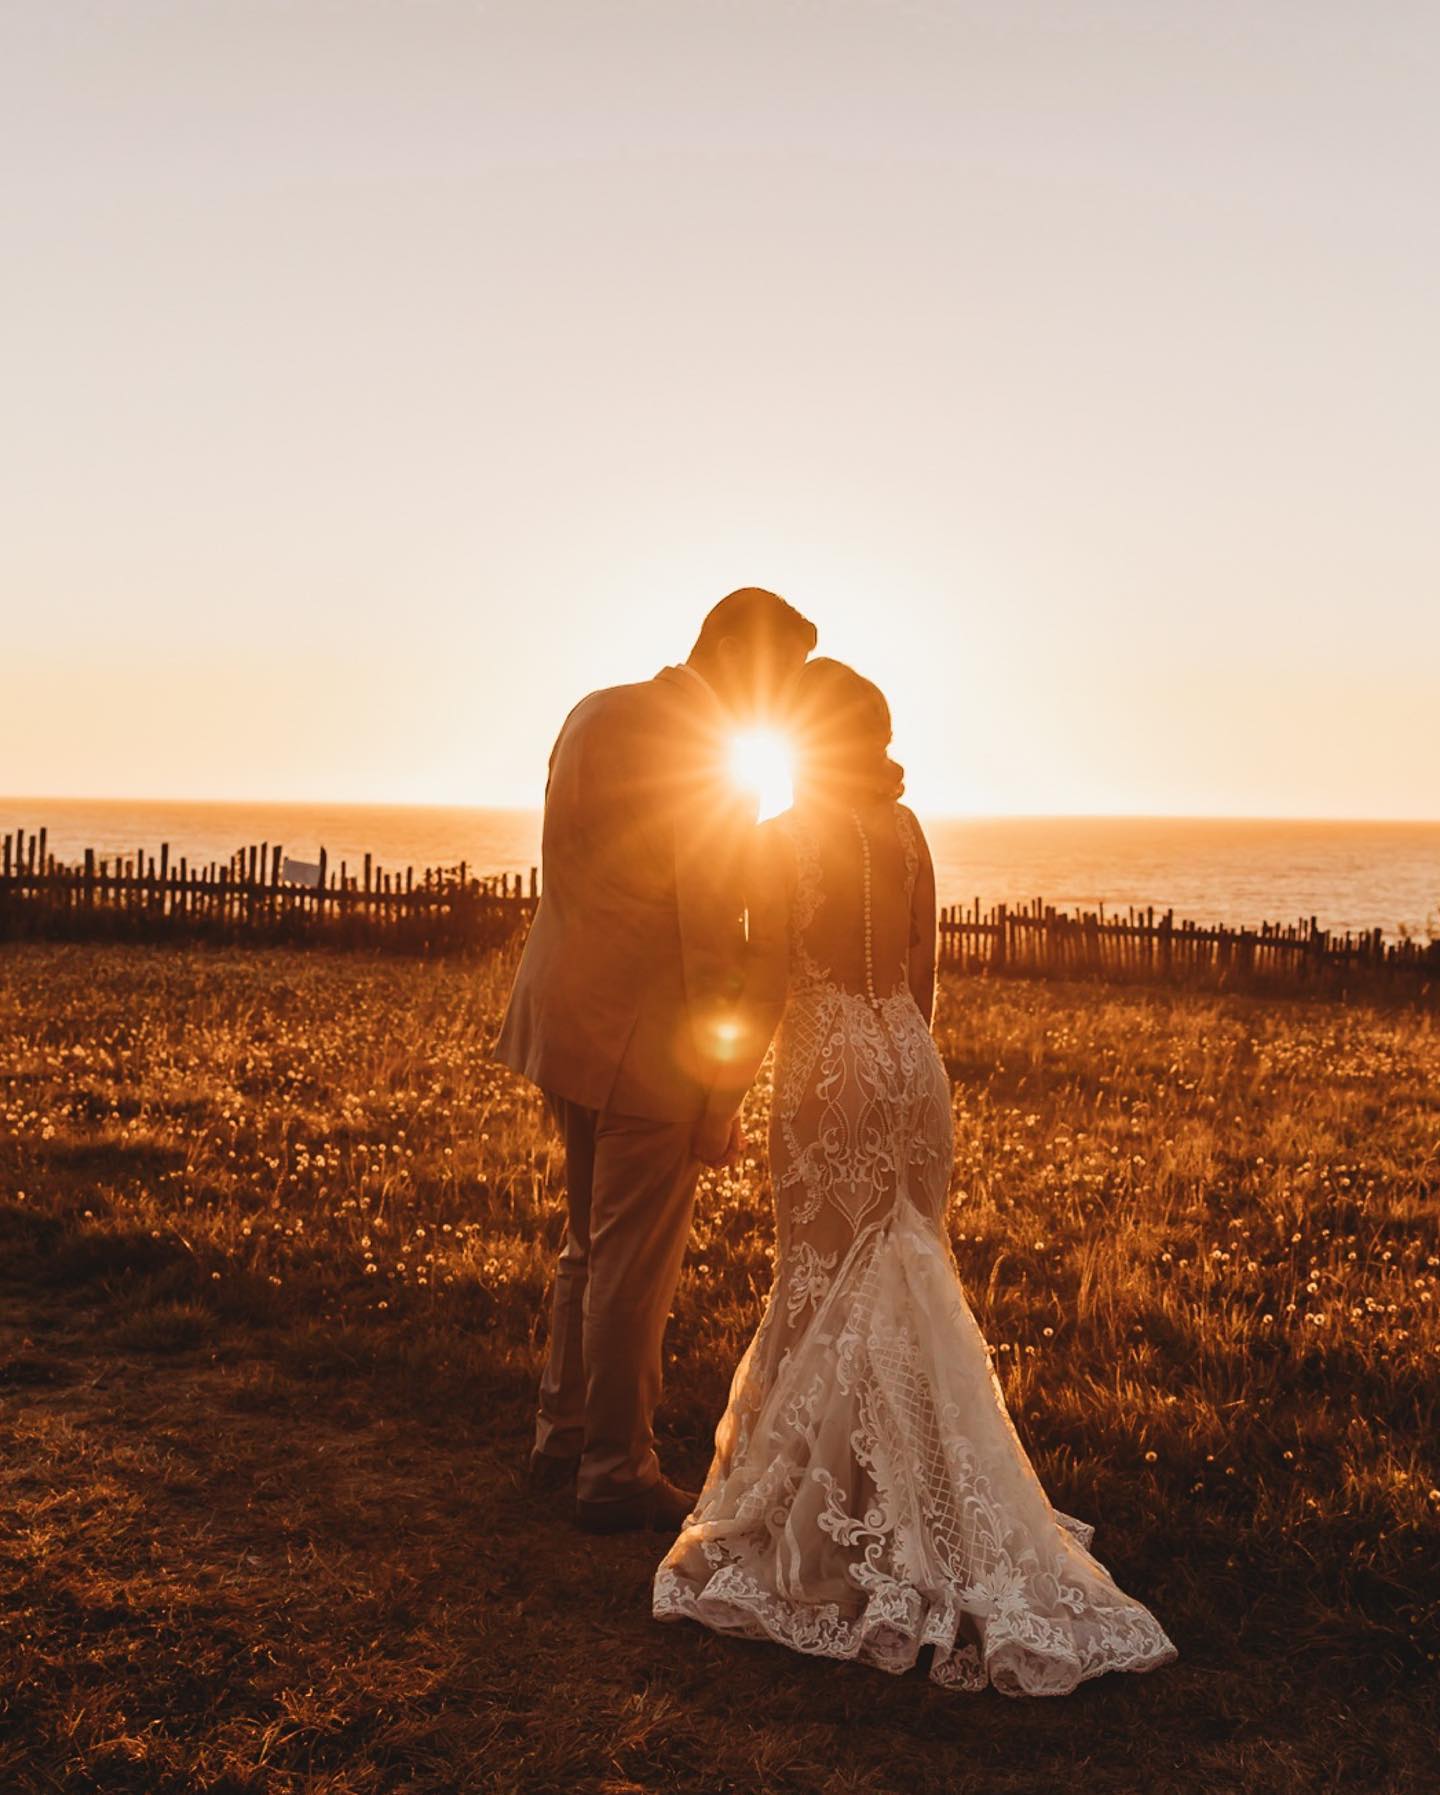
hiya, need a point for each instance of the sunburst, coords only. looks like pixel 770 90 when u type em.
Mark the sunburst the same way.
pixel 760 762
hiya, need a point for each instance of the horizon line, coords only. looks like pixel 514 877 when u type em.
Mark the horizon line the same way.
pixel 947 816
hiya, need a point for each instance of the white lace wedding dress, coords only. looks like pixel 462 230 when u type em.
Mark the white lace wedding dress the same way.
pixel 869 1495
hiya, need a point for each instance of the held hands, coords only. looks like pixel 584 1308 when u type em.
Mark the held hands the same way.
pixel 719 1141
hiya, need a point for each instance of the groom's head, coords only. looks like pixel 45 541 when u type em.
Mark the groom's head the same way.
pixel 750 648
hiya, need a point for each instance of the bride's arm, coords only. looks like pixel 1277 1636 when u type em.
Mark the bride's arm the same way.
pixel 921 960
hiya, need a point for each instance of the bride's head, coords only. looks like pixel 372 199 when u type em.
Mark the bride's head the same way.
pixel 842 735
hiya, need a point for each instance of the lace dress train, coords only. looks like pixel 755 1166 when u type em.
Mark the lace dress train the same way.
pixel 869 1495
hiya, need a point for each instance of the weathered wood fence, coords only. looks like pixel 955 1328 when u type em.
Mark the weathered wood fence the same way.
pixel 257 895
pixel 1138 945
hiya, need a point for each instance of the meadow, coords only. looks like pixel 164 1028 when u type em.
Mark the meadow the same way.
pixel 275 1235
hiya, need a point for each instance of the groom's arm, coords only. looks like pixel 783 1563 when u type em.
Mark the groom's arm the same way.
pixel 767 878
pixel 710 840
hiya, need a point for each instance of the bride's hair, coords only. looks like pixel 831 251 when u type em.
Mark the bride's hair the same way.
pixel 842 736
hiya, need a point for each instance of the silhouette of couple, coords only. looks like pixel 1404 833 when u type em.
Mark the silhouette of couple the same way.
pixel 868 1495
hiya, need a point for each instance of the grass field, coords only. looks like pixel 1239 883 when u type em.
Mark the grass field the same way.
pixel 274 1242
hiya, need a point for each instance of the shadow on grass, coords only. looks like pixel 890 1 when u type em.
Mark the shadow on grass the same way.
pixel 112 1161
pixel 169 1326
pixel 114 1257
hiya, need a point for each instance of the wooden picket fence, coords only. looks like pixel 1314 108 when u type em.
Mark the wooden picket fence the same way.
pixel 1139 946
pixel 258 895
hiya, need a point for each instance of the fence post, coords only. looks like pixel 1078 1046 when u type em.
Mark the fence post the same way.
pixel 452 904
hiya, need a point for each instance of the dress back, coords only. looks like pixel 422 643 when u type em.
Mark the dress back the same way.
pixel 850 917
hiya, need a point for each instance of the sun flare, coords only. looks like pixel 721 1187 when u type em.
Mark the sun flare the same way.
pixel 760 763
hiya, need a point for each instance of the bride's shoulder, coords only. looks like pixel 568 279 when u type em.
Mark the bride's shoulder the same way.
pixel 772 855
pixel 910 831
pixel 775 837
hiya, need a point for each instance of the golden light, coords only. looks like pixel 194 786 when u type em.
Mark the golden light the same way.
pixel 760 763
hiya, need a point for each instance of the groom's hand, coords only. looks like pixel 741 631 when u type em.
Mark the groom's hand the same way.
pixel 719 1140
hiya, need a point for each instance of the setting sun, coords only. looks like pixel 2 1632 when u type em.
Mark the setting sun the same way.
pixel 760 763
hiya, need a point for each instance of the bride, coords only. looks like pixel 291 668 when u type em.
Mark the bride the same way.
pixel 869 1495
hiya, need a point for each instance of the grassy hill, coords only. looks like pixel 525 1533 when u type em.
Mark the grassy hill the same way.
pixel 275 1235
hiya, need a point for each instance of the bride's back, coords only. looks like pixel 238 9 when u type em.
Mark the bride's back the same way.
pixel 855 871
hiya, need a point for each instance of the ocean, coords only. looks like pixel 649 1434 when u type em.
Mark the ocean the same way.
pixel 1241 871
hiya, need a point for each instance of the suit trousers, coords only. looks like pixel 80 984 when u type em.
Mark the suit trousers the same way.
pixel 630 1183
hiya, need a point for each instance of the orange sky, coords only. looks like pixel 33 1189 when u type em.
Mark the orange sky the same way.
pixel 379 378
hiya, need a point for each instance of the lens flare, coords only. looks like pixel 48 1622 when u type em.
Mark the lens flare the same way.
pixel 760 763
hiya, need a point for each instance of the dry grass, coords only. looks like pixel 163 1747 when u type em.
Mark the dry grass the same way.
pixel 275 1239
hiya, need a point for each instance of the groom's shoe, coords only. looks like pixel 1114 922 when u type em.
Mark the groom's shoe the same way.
pixel 662 1509
pixel 549 1474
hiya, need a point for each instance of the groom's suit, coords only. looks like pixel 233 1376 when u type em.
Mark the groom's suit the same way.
pixel 622 1012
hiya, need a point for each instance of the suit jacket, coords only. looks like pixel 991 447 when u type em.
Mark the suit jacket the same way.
pixel 626 990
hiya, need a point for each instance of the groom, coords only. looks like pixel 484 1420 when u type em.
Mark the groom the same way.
pixel 625 1012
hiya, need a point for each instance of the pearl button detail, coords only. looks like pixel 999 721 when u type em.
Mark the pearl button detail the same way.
pixel 869 923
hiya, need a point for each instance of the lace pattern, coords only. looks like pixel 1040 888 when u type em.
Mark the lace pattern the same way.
pixel 905 823
pixel 869 1494
pixel 808 895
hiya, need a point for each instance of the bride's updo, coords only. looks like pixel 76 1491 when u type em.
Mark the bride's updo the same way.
pixel 842 737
